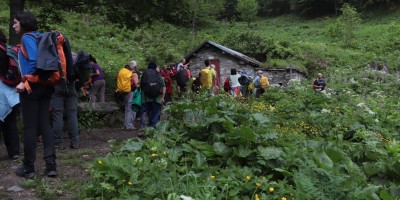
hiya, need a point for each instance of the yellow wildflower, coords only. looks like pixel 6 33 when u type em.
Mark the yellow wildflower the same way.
pixel 256 197
pixel 212 177
pixel 130 183
pixel 258 184
pixel 283 198
pixel 247 178
pixel 271 189
pixel 100 162
pixel 153 155
pixel 164 152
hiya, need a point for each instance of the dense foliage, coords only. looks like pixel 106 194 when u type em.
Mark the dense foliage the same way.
pixel 291 143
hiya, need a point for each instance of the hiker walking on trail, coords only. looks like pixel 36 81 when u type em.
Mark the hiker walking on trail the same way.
pixel 319 83
pixel 153 93
pixel 9 110
pixel 127 82
pixel 35 104
pixel 98 82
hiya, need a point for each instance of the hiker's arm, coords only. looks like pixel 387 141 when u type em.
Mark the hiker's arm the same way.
pixel 135 79
pixel 163 93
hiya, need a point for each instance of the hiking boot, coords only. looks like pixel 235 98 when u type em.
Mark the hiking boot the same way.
pixel 74 146
pixel 59 146
pixel 15 157
pixel 51 169
pixel 27 172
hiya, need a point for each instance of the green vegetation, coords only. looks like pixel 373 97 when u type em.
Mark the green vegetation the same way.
pixel 290 143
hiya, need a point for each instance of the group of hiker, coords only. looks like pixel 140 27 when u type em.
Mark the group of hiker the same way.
pixel 47 89
pixel 41 83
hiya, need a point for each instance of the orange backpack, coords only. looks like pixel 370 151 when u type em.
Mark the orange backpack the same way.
pixel 53 63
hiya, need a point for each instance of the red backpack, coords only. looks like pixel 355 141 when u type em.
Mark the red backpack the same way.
pixel 227 84
pixel 13 76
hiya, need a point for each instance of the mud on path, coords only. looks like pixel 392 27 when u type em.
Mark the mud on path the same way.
pixel 71 167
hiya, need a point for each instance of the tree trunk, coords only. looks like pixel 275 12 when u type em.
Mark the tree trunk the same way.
pixel 15 7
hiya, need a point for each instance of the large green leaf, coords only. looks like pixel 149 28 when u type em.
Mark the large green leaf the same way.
pixel 220 148
pixel 241 135
pixel 323 160
pixel 200 159
pixel 384 195
pixel 243 151
pixel 269 153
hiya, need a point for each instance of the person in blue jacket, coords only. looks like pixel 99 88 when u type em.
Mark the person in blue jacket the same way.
pixel 35 104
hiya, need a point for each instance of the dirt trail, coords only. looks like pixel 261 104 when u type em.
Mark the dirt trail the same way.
pixel 71 166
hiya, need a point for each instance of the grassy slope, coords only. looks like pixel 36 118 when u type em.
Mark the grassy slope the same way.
pixel 114 47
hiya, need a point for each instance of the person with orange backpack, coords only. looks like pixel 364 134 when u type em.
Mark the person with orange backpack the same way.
pixel 10 99
pixel 35 100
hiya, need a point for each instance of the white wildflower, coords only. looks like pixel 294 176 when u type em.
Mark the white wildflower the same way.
pixel 361 105
pixel 183 197
pixel 370 111
pixel 138 160
pixel 325 111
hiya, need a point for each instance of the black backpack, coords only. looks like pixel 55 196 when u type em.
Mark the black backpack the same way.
pixel 243 80
pixel 151 83
pixel 82 69
pixel 181 77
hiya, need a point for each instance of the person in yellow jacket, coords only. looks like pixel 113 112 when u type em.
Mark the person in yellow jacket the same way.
pixel 126 78
pixel 206 77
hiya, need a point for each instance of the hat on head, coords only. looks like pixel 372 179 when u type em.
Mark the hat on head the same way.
pixel 132 64
pixel 259 72
pixel 152 65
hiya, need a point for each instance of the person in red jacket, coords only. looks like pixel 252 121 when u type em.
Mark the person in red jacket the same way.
pixel 167 74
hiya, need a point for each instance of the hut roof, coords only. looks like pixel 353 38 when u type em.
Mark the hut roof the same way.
pixel 227 50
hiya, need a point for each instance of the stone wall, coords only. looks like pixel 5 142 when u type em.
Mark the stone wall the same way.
pixel 282 76
pixel 227 61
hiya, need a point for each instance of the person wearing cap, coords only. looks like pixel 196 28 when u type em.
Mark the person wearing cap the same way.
pixel 126 78
pixel 257 83
pixel 153 105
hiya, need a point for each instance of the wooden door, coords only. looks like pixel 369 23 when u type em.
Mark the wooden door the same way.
pixel 217 70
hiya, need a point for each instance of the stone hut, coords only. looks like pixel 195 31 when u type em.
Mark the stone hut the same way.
pixel 225 59
pixel 222 57
pixel 281 76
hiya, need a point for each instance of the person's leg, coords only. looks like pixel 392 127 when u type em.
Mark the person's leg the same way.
pixel 102 91
pixel 155 114
pixel 94 90
pixel 72 120
pixel 10 133
pixel 128 111
pixel 49 153
pixel 57 113
pixel 29 107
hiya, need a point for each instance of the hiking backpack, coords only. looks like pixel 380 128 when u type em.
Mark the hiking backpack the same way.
pixel 264 82
pixel 54 60
pixel 81 69
pixel 227 84
pixel 181 77
pixel 12 76
pixel 151 83
pixel 243 80
pixel 206 78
